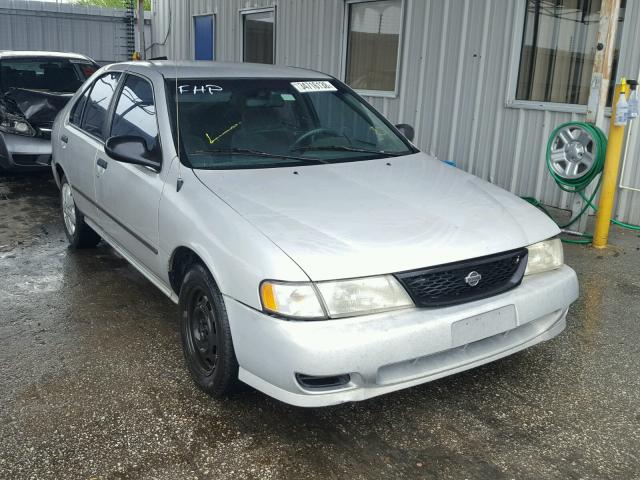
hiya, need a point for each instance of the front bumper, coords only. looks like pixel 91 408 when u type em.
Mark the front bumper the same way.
pixel 395 350
pixel 20 153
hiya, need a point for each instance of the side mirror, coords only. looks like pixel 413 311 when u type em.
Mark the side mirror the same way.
pixel 132 149
pixel 406 130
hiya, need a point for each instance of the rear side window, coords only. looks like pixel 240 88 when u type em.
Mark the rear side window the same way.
pixel 95 111
pixel 136 112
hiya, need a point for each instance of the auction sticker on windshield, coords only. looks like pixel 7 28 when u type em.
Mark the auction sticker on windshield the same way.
pixel 317 86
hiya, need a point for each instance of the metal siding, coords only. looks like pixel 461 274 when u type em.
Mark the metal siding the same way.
pixel 32 25
pixel 454 70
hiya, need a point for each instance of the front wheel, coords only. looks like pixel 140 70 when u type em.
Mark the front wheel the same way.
pixel 206 336
pixel 79 234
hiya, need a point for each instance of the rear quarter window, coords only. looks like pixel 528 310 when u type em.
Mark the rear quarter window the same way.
pixel 75 117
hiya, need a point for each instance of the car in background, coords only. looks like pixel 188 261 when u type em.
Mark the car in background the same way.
pixel 34 87
pixel 315 253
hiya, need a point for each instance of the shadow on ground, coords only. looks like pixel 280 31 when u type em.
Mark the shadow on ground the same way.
pixel 92 383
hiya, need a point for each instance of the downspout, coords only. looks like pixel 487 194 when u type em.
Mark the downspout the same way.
pixel 143 52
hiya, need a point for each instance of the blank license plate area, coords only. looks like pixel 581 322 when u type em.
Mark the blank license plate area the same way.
pixel 484 325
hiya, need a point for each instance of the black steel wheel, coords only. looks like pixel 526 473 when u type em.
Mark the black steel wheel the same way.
pixel 206 336
pixel 202 334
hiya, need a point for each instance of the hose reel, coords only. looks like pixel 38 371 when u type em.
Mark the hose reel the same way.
pixel 575 155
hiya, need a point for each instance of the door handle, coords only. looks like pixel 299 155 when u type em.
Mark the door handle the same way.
pixel 64 139
pixel 102 163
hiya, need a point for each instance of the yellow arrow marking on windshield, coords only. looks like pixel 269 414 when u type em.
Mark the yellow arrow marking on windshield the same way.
pixel 214 140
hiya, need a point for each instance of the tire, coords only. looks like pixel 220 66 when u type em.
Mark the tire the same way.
pixel 206 336
pixel 79 234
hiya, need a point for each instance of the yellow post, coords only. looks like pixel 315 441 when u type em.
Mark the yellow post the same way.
pixel 610 174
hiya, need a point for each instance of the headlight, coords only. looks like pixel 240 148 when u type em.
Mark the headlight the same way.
pixel 363 295
pixel 337 298
pixel 14 124
pixel 544 256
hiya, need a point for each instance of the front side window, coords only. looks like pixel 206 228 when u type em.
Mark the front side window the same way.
pixel 60 75
pixel 373 41
pixel 260 123
pixel 558 49
pixel 95 111
pixel 258 37
pixel 135 112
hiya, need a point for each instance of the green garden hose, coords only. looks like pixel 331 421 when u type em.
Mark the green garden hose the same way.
pixel 575 157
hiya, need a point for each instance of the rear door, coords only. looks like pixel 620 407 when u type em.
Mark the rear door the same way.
pixel 83 136
pixel 129 195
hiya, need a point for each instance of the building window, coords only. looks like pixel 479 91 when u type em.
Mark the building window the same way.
pixel 373 42
pixel 558 49
pixel 203 37
pixel 258 36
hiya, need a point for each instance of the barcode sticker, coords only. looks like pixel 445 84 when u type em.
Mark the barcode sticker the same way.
pixel 318 86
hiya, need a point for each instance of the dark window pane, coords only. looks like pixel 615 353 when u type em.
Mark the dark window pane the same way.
pixel 76 112
pixel 258 37
pixel 95 112
pixel 135 112
pixel 558 49
pixel 203 37
pixel 372 45
pixel 46 74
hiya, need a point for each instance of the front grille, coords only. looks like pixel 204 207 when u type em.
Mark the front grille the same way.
pixel 453 283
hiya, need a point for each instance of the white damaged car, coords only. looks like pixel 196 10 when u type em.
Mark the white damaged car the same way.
pixel 315 253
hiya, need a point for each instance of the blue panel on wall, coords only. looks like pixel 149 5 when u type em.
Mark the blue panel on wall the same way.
pixel 203 37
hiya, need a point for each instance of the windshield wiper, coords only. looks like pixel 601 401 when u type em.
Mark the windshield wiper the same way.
pixel 258 153
pixel 343 148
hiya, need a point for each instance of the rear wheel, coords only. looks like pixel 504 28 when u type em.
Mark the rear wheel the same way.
pixel 79 234
pixel 206 336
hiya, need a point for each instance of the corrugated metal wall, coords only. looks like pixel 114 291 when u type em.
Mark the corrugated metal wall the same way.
pixel 99 33
pixel 455 63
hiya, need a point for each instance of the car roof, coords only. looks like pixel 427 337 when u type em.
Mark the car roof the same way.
pixel 193 69
pixel 40 54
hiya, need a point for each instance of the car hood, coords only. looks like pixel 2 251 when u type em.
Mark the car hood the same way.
pixel 38 108
pixel 379 216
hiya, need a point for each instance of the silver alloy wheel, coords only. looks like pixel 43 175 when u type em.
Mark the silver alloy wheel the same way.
pixel 573 152
pixel 68 209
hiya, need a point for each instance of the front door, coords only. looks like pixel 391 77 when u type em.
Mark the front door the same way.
pixel 129 195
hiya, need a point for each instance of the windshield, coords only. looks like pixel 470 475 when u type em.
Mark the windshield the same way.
pixel 60 75
pixel 258 123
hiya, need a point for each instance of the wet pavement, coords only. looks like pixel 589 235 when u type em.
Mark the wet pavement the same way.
pixel 93 385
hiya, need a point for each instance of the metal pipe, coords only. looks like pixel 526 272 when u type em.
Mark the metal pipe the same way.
pixel 143 53
pixel 572 232
pixel 610 174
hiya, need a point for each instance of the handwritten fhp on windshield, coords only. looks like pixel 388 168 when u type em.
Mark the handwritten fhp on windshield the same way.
pixel 199 89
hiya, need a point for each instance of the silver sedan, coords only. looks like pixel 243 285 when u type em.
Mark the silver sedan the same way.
pixel 315 253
